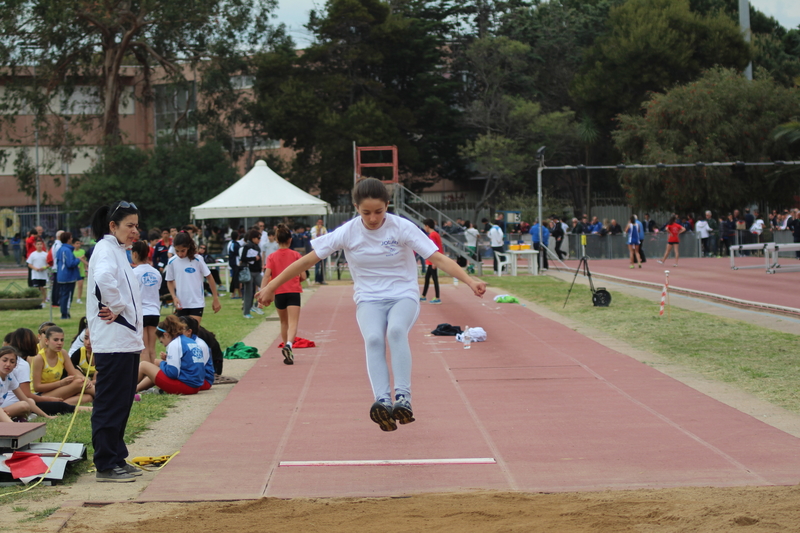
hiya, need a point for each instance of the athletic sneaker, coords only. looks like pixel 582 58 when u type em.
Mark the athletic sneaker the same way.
pixel 248 316
pixel 132 470
pixel 256 310
pixel 401 411
pixel 79 301
pixel 422 298
pixel 114 475
pixel 381 414
pixel 288 356
pixel 659 261
pixel 436 301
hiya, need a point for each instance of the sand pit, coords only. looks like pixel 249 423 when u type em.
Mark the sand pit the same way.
pixel 668 510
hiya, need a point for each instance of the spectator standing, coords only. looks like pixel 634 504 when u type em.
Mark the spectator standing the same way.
pixel 471 236
pixel 319 230
pixel 537 245
pixel 704 231
pixel 185 274
pixel 215 243
pixel 79 252
pixel 794 226
pixel 37 268
pixel 432 273
pixel 68 273
pixel 234 249
pixel 495 235
pixel 641 259
pixel 633 238
pixel 250 259
pixel 114 313
pixel 614 228
pixel 149 288
pixel 558 235
pixel 673 241
pixel 16 248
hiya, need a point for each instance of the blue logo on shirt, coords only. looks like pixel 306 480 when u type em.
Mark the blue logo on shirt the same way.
pixel 190 270
pixel 197 354
pixel 150 280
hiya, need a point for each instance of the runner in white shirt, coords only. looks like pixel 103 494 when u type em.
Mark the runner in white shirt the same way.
pixel 185 273
pixel 380 253
pixel 150 289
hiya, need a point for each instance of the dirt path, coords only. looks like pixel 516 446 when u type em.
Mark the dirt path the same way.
pixel 691 509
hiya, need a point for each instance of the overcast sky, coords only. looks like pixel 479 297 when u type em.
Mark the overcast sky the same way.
pixel 294 13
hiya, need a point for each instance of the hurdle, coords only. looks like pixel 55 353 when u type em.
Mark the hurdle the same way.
pixel 774 264
pixel 762 246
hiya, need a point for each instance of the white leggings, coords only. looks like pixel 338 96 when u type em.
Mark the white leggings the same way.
pixel 388 320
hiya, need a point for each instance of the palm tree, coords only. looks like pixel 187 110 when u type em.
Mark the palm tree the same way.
pixel 790 130
pixel 588 134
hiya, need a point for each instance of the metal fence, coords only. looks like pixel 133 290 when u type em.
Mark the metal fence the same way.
pixel 654 244
pixel 52 218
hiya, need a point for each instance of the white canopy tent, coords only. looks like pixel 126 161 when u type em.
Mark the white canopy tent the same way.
pixel 261 193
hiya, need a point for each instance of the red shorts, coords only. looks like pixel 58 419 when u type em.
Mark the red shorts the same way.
pixel 173 386
pixel 206 385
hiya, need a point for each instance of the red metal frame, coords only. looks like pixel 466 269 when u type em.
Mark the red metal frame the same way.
pixel 393 164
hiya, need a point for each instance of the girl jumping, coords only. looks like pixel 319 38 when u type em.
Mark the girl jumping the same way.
pixel 380 253
pixel 287 296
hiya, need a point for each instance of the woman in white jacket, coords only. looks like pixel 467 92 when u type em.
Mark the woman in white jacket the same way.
pixel 114 313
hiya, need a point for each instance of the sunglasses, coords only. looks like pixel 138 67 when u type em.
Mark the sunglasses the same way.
pixel 124 205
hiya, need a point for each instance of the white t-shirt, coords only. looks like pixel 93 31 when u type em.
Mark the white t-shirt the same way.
pixel 495 236
pixel 267 248
pixel 314 233
pixel 702 227
pixel 188 275
pixel 38 260
pixel 56 248
pixel 7 387
pixel 757 227
pixel 381 261
pixel 149 284
pixel 471 236
pixel 20 374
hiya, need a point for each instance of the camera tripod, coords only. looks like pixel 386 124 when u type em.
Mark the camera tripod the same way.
pixel 600 296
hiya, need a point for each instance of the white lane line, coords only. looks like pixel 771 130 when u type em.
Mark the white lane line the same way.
pixel 395 462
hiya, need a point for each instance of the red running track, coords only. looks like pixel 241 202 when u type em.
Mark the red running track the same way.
pixel 555 410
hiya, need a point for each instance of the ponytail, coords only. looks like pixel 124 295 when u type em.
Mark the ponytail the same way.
pixel 283 235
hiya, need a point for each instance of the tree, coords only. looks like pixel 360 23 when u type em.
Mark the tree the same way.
pixel 68 42
pixel 652 45
pixel 510 127
pixel 164 182
pixel 376 75
pixel 720 117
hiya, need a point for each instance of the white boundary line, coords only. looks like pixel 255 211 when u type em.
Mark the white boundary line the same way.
pixel 396 462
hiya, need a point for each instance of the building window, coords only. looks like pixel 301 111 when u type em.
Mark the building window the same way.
pixel 242 82
pixel 244 144
pixel 174 106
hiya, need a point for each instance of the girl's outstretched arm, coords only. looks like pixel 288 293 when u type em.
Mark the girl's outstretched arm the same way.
pixel 267 292
pixel 451 267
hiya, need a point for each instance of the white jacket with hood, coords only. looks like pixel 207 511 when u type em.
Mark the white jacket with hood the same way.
pixel 112 283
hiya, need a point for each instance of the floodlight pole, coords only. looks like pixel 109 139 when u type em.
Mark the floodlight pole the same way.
pixel 744 22
pixel 539 199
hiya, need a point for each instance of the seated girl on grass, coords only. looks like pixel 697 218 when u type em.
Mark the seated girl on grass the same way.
pixel 83 359
pixel 182 369
pixel 48 367
pixel 193 332
pixel 9 385
pixel 24 340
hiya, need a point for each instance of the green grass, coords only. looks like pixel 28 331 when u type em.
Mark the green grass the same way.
pixel 753 358
pixel 41 515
